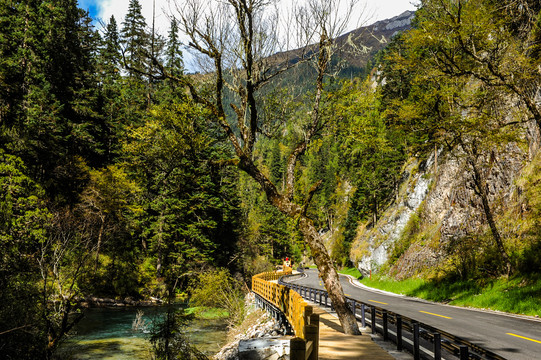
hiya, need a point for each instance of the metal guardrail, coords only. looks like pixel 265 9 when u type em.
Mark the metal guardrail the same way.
pixel 422 340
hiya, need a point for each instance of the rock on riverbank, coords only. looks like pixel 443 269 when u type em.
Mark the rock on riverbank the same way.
pixel 257 325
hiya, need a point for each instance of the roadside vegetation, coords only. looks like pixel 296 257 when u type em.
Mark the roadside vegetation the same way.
pixel 517 295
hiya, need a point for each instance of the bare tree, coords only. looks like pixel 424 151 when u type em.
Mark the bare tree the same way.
pixel 239 43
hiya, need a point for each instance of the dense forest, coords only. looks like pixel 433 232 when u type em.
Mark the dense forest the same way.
pixel 122 176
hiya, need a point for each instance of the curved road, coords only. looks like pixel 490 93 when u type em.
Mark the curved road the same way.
pixel 512 337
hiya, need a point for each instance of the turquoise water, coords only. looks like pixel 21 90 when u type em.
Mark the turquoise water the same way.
pixel 107 333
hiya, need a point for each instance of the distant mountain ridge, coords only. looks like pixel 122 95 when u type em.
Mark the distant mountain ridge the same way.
pixel 356 48
pixel 360 45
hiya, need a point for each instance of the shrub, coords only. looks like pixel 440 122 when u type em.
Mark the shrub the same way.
pixel 218 289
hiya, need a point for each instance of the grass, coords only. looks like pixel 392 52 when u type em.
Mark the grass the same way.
pixel 517 295
pixel 353 271
pixel 207 313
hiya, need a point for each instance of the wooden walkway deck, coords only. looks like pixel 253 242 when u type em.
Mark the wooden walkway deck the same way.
pixel 335 345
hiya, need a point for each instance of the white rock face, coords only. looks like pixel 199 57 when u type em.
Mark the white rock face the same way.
pixel 390 227
pixel 398 22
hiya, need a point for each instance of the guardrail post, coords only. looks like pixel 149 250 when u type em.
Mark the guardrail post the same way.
pixel 385 326
pixel 373 319
pixel 464 354
pixel 416 352
pixel 297 349
pixel 354 308
pixel 326 297
pixel 363 320
pixel 320 297
pixel 437 346
pixel 398 332
pixel 312 334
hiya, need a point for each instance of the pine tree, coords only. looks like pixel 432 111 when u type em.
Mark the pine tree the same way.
pixel 174 53
pixel 110 65
pixel 135 39
pixel 111 56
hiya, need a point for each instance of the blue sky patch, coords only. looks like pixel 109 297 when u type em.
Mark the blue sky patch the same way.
pixel 91 6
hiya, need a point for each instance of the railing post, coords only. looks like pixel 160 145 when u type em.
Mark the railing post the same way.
pixel 385 326
pixel 373 319
pixel 326 297
pixel 464 354
pixel 297 349
pixel 416 352
pixel 363 320
pixel 354 308
pixel 437 346
pixel 312 334
pixel 398 332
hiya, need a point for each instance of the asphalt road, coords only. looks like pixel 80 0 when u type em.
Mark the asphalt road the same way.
pixel 512 337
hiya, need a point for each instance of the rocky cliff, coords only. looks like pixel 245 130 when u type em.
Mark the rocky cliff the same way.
pixel 437 221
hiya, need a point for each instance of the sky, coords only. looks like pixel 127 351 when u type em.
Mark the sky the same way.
pixel 101 11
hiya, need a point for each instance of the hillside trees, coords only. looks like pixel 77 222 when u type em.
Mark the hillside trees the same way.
pixel 73 210
pixel 49 92
pixel 23 226
pixel 189 207
pixel 232 37
pixel 373 152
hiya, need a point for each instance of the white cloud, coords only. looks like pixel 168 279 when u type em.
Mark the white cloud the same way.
pixel 120 8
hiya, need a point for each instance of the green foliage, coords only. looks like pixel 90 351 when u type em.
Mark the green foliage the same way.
pixel 24 223
pixel 218 289
pixel 168 340
pixel 189 209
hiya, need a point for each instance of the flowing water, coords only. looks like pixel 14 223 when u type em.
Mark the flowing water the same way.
pixel 107 333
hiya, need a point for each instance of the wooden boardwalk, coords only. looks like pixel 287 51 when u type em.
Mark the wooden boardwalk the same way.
pixel 335 345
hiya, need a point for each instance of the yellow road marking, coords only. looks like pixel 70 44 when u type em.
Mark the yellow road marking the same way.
pixel 379 302
pixel 348 295
pixel 525 338
pixel 426 312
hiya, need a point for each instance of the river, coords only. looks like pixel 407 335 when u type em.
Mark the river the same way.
pixel 106 333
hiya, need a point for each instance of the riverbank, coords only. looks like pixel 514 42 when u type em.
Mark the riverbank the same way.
pixel 94 301
pixel 257 324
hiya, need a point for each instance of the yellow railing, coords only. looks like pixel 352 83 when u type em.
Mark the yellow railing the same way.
pixel 299 314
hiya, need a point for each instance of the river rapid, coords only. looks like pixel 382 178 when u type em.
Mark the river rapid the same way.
pixel 108 333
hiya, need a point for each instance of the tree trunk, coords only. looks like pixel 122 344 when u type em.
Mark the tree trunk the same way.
pixel 311 237
pixel 98 246
pixel 482 193
pixel 330 276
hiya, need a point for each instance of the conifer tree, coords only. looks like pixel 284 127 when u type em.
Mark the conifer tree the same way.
pixel 135 39
pixel 111 56
pixel 174 53
pixel 110 66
